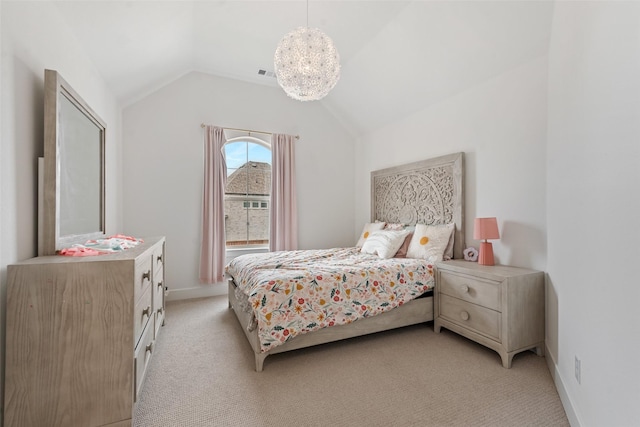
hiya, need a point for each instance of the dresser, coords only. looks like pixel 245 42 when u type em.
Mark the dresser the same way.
pixel 498 306
pixel 80 335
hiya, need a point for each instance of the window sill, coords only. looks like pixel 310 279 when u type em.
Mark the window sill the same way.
pixel 248 249
pixel 234 252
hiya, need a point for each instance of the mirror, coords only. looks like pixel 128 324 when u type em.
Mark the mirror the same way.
pixel 73 196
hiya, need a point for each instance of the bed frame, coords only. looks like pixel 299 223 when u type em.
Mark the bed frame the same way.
pixel 426 192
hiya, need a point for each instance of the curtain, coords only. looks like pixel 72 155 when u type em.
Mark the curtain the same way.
pixel 283 227
pixel 212 252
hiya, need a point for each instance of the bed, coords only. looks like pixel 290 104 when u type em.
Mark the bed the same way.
pixel 291 300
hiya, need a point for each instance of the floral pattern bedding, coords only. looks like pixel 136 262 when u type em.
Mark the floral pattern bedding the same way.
pixel 296 292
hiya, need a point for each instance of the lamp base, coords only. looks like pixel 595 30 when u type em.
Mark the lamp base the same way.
pixel 485 257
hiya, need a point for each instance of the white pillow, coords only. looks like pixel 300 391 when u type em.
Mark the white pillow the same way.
pixel 392 226
pixel 430 242
pixel 368 228
pixel 448 252
pixel 384 243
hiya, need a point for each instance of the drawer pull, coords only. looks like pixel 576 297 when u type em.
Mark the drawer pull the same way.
pixel 160 310
pixel 465 289
pixel 149 348
pixel 464 315
pixel 146 311
pixel 146 275
pixel 160 284
pixel 159 259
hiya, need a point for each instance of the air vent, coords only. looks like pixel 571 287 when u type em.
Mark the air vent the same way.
pixel 267 73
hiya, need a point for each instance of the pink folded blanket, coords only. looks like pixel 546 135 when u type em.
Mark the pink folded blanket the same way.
pixel 115 243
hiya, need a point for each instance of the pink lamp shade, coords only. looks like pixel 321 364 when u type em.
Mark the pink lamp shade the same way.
pixel 483 229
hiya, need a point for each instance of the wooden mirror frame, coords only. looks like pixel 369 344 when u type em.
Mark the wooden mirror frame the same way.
pixel 56 91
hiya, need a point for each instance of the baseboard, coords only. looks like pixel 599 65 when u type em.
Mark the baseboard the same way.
pixel 197 292
pixel 562 392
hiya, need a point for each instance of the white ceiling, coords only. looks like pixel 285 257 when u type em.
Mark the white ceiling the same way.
pixel 397 56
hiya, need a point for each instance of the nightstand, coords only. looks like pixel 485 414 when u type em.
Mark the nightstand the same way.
pixel 498 306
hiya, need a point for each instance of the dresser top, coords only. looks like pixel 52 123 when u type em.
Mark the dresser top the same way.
pixel 127 254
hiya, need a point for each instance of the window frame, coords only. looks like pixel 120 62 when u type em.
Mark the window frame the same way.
pixel 250 199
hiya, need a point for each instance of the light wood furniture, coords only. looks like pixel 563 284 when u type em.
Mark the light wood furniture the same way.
pixel 427 192
pixel 416 311
pixel 498 306
pixel 72 204
pixel 80 334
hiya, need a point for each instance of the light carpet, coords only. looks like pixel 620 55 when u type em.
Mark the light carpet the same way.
pixel 202 374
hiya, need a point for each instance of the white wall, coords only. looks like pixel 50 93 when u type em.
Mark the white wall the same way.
pixel 594 206
pixel 163 166
pixel 35 37
pixel 500 126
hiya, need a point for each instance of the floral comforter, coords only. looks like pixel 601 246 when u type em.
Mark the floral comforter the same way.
pixel 295 292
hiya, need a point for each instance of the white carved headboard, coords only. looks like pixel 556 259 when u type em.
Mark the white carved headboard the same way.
pixel 426 192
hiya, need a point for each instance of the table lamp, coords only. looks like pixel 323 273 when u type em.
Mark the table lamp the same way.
pixel 483 229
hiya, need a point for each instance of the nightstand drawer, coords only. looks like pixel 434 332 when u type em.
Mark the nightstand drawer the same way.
pixel 472 289
pixel 471 316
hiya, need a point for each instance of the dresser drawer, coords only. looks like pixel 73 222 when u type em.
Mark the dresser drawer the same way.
pixel 142 356
pixel 158 288
pixel 471 316
pixel 142 276
pixel 143 311
pixel 159 320
pixel 478 291
pixel 158 305
pixel 157 258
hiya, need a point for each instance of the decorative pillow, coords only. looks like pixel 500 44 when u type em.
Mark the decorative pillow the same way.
pixel 391 226
pixel 448 252
pixel 384 243
pixel 430 242
pixel 402 252
pixel 368 228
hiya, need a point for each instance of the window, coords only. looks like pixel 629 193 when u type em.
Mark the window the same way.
pixel 247 192
pixel 255 205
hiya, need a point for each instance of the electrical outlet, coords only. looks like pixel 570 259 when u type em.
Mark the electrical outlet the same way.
pixel 578 369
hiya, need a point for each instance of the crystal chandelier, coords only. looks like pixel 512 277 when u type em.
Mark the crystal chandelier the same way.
pixel 307 63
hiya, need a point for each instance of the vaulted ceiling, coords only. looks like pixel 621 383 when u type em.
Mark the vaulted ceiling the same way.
pixel 397 56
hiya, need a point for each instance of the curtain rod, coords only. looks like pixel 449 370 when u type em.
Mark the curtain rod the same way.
pixel 202 125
